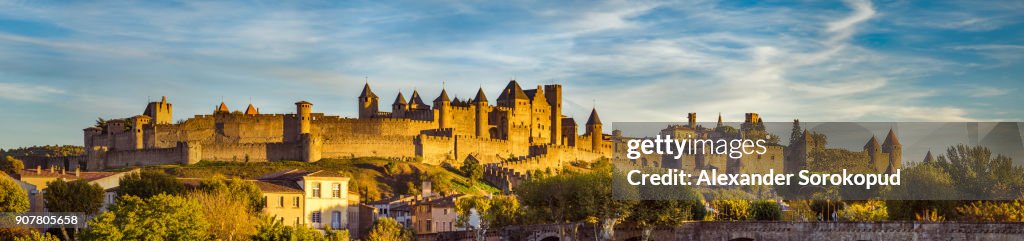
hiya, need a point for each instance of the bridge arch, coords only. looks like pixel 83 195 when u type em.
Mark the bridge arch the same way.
pixel 550 238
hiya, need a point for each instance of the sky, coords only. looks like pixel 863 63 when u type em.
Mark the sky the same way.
pixel 62 65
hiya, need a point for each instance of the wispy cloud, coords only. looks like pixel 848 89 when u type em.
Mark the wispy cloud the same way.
pixel 856 60
pixel 27 92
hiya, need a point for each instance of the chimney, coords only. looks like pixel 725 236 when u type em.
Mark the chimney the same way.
pixel 39 169
pixel 51 169
pixel 63 171
pixel 426 189
pixel 78 172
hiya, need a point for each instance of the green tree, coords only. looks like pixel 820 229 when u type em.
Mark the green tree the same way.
pixel 979 175
pixel 992 211
pixel 238 189
pixel 871 210
pixel 387 229
pixel 574 198
pixel 74 196
pixel 796 134
pixel 13 199
pixel 336 235
pixel 11 165
pixel 146 184
pixel 230 218
pixel 732 210
pixel 34 235
pixel 273 229
pixel 494 212
pixel 924 188
pixel 666 206
pixel 160 217
pixel 765 210
pixel 472 169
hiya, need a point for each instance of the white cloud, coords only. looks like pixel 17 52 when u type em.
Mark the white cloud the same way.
pixel 27 92
pixel 984 91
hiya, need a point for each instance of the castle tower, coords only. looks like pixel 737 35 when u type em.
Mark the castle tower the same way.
pixel 251 110
pixel 221 109
pixel 514 97
pixel 161 112
pixel 138 138
pixel 569 129
pixel 873 150
pixel 416 103
pixel 480 101
pixel 540 114
pixel 594 130
pixel 554 97
pixel 303 112
pixel 399 107
pixel 443 107
pixel 691 120
pixel 892 147
pixel 928 158
pixel 368 102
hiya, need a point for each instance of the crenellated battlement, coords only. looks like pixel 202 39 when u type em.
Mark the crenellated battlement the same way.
pixel 450 131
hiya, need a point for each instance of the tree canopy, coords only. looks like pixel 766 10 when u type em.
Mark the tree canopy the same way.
pixel 13 199
pixel 149 183
pixel 160 217
pixel 74 196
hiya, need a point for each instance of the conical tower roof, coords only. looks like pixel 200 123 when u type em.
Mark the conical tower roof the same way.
pixel 367 92
pixel 512 91
pixel 890 139
pixel 443 96
pixel 480 97
pixel 222 108
pixel 594 119
pixel 415 98
pixel 928 158
pixel 872 144
pixel 251 110
pixel 400 100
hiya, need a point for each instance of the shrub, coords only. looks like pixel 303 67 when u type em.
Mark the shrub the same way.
pixel 765 210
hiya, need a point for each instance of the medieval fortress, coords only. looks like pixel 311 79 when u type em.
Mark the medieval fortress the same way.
pixel 521 128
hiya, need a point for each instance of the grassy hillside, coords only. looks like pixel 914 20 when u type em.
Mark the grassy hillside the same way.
pixel 374 178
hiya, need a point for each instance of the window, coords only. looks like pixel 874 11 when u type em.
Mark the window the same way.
pixel 296 221
pixel 336 190
pixel 336 220
pixel 295 202
pixel 316 189
pixel 280 201
pixel 265 203
pixel 316 217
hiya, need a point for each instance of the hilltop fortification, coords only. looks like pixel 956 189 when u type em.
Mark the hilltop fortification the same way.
pixel 519 125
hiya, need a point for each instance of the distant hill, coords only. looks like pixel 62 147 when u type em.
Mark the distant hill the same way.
pixel 44 151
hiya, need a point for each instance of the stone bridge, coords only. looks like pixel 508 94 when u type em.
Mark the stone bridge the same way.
pixel 760 230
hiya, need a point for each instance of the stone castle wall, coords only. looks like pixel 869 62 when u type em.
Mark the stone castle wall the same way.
pixel 510 130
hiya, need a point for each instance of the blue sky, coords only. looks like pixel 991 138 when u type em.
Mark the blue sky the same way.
pixel 62 65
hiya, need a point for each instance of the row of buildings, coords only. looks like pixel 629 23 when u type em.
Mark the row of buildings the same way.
pixel 318 199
